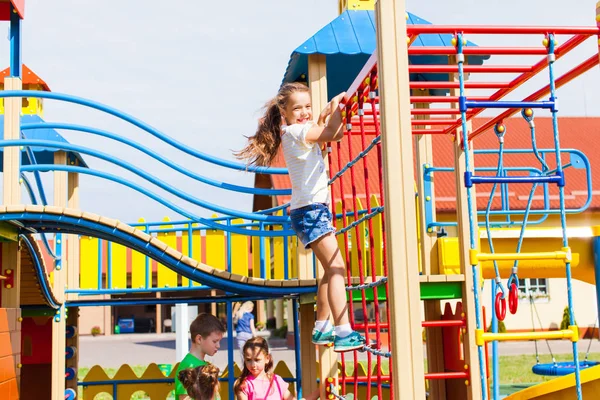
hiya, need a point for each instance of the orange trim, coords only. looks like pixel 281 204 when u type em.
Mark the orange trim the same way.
pixel 28 77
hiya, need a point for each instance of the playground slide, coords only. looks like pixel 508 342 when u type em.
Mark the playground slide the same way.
pixel 65 220
pixel 563 388
pixel 535 240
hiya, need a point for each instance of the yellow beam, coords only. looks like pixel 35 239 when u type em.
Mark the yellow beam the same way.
pixel 564 254
pixel 482 337
pixel 354 5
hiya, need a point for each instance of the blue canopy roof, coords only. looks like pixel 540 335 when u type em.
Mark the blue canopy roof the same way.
pixel 348 42
pixel 43 155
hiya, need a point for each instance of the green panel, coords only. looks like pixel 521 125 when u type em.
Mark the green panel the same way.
pixel 37 312
pixel 8 232
pixel 429 291
pixel 441 290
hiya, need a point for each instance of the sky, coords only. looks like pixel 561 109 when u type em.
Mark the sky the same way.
pixel 200 71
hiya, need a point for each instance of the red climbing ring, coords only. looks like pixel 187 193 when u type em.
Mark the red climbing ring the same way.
pixel 500 307
pixel 513 298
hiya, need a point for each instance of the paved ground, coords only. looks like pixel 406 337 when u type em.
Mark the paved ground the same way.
pixel 143 349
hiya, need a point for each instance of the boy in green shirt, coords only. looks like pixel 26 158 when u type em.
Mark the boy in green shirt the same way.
pixel 206 332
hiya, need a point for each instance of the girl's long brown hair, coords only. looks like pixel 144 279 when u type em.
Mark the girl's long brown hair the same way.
pixel 263 146
pixel 200 382
pixel 254 343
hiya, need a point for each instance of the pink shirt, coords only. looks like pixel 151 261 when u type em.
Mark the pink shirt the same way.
pixel 262 389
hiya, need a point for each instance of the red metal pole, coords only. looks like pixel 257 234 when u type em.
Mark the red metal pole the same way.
pixel 518 81
pixel 483 51
pixel 447 375
pixel 511 30
pixel 449 69
pixel 455 85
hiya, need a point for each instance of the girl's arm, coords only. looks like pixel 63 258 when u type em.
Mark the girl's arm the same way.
pixel 332 131
pixel 253 327
pixel 241 396
pixel 288 396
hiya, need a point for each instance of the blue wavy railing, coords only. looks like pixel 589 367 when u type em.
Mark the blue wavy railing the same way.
pixel 156 156
pixel 130 167
pixel 144 126
pixel 170 205
pixel 43 235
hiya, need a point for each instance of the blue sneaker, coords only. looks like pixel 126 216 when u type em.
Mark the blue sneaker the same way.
pixel 322 338
pixel 353 341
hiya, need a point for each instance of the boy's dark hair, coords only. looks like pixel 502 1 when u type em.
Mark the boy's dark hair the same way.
pixel 204 325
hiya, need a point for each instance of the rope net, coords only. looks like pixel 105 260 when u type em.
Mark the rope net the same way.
pixel 357 198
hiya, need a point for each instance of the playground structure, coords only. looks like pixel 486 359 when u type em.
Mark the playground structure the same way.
pixel 395 259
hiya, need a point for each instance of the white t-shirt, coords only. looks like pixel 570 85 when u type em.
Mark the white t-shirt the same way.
pixel 305 165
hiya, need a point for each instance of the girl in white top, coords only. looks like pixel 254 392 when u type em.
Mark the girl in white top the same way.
pixel 288 121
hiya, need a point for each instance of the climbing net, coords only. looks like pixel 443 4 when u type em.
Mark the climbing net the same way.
pixel 357 198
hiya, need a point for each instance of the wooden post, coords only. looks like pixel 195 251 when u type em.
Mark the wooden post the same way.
pixel 72 240
pixel 429 260
pixel 474 389
pixel 11 253
pixel 400 210
pixel 58 288
pixel 159 326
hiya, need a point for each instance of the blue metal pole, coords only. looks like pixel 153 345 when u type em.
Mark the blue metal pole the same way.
pixel 15 43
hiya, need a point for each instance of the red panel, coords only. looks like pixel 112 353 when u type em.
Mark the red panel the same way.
pixel 36 340
pixel 5 9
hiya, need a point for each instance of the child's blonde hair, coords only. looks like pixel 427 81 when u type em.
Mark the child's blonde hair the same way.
pixel 254 343
pixel 246 306
pixel 264 145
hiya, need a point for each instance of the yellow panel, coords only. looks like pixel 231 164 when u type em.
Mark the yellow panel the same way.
pixel 138 267
pixel 167 277
pixel 118 260
pixel 88 263
pixel 362 239
pixel 377 238
pixel 293 260
pixel 215 248
pixel 256 246
pixel 278 253
pixel 338 224
pixel 196 249
pixel 239 251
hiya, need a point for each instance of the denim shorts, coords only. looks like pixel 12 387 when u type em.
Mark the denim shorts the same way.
pixel 311 222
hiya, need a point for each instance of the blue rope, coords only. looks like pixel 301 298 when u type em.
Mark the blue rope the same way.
pixel 472 223
pixel 563 218
pixel 499 172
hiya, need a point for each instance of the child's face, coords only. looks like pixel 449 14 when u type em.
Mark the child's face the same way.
pixel 211 344
pixel 255 360
pixel 298 108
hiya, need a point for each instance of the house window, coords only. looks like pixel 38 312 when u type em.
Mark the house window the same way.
pixel 536 288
